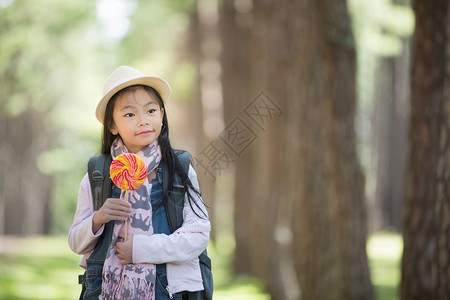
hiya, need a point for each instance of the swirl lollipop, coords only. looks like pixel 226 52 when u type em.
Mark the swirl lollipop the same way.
pixel 128 172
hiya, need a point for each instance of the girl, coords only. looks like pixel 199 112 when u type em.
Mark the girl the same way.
pixel 152 263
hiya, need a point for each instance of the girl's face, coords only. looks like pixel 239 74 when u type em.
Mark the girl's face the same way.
pixel 137 117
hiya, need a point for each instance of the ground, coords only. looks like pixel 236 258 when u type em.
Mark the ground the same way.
pixel 45 268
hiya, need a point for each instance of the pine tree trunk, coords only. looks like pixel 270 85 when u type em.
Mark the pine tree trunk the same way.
pixel 425 263
pixel 301 191
pixel 390 135
pixel 26 191
pixel 236 86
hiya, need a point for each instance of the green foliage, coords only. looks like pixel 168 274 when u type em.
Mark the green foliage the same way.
pixel 157 41
pixel 47 54
pixel 156 32
pixel 380 25
pixel 54 58
pixel 380 28
pixel 33 56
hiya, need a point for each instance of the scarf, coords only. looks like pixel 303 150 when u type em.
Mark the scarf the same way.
pixel 132 281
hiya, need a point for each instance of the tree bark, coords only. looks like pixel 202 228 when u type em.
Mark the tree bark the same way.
pixel 300 196
pixel 390 139
pixel 27 192
pixel 425 263
pixel 197 38
pixel 235 56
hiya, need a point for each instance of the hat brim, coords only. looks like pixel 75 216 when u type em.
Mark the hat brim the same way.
pixel 159 84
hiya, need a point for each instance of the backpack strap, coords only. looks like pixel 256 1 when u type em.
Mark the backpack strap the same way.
pixel 98 171
pixel 174 207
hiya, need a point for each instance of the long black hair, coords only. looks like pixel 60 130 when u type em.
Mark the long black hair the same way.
pixel 168 154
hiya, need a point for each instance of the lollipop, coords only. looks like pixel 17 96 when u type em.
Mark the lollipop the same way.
pixel 128 172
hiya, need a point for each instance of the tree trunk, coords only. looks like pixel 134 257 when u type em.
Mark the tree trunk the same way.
pixel 425 263
pixel 199 33
pixel 235 38
pixel 331 227
pixel 300 192
pixel 27 191
pixel 390 125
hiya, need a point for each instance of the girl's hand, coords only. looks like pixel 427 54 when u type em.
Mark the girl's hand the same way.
pixel 112 209
pixel 125 249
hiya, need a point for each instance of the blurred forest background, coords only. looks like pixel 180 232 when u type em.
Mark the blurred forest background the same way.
pixel 313 125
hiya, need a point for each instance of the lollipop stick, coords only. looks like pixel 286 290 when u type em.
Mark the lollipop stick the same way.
pixel 126 221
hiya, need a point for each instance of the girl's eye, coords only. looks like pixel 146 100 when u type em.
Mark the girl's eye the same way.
pixel 152 110
pixel 129 115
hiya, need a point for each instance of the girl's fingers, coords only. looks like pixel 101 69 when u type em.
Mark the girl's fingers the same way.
pixel 119 209
pixel 118 216
pixel 115 214
pixel 118 204
pixel 118 213
pixel 116 209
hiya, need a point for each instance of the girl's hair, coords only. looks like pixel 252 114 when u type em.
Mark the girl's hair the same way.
pixel 168 155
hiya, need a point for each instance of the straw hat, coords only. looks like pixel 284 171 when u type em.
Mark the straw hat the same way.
pixel 123 77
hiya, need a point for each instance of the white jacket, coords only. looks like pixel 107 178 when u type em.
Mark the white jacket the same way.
pixel 179 251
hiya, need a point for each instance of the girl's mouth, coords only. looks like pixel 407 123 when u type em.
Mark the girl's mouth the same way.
pixel 144 133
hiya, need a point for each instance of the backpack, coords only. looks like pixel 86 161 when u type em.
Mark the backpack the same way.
pixel 101 187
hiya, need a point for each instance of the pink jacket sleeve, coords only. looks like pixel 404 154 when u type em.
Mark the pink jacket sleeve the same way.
pixel 81 238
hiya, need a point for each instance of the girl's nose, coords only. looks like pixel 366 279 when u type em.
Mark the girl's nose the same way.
pixel 144 123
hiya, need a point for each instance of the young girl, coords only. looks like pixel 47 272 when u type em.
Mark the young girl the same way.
pixel 152 263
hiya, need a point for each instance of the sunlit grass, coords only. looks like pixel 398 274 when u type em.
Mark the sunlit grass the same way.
pixel 226 285
pixel 39 268
pixel 45 268
pixel 385 251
